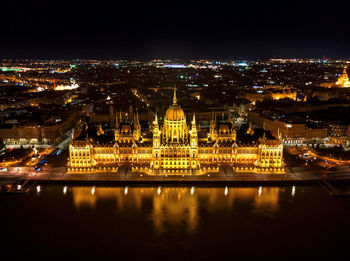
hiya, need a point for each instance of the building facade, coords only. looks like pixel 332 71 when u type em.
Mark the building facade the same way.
pixel 291 133
pixel 36 134
pixel 174 148
pixel 343 80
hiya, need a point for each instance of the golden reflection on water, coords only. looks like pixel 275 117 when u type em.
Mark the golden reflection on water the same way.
pixel 180 205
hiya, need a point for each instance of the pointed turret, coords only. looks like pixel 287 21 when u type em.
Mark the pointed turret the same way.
pixel 137 127
pixel 194 137
pixel 100 130
pixel 136 120
pixel 156 133
pixel 279 134
pixel 194 127
pixel 250 130
pixel 156 126
pixel 117 131
pixel 116 122
pixel 212 127
pixel 155 163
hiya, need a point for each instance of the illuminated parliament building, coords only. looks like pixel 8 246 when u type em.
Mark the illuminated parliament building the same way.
pixel 173 148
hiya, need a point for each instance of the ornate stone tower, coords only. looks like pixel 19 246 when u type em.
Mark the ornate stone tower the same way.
pixel 212 128
pixel 194 145
pixel 156 144
pixel 270 154
pixel 193 133
pixel 117 130
pixel 233 127
pixel 137 128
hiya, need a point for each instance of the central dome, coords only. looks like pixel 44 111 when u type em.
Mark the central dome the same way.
pixel 174 113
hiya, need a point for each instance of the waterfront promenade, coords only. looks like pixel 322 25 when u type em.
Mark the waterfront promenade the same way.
pixel 59 176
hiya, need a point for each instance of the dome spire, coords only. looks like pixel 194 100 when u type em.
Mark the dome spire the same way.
pixel 174 98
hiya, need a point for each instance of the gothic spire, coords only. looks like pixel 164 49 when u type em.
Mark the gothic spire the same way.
pixel 156 120
pixel 279 134
pixel 174 98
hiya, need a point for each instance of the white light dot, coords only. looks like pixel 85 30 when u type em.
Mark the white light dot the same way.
pixel 293 191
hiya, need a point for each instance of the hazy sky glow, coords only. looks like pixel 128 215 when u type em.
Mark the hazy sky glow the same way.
pixel 128 29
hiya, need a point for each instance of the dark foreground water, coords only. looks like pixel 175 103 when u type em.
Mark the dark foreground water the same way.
pixel 175 223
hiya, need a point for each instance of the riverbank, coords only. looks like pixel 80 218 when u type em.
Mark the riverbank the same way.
pixel 301 178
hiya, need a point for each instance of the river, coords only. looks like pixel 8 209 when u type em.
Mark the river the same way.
pixel 175 223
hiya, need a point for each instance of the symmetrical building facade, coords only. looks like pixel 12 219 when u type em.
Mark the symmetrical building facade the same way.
pixel 174 148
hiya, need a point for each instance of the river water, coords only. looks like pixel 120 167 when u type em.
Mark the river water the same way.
pixel 175 223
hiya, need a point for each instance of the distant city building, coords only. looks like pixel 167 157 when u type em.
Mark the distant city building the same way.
pixel 36 134
pixel 270 95
pixel 292 133
pixel 342 82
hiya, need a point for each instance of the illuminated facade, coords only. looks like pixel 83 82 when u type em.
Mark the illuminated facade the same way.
pixel 343 80
pixel 175 148
pixel 291 133
pixel 270 95
pixel 284 95
pixel 37 134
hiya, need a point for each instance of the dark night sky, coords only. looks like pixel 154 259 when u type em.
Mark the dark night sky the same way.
pixel 175 29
